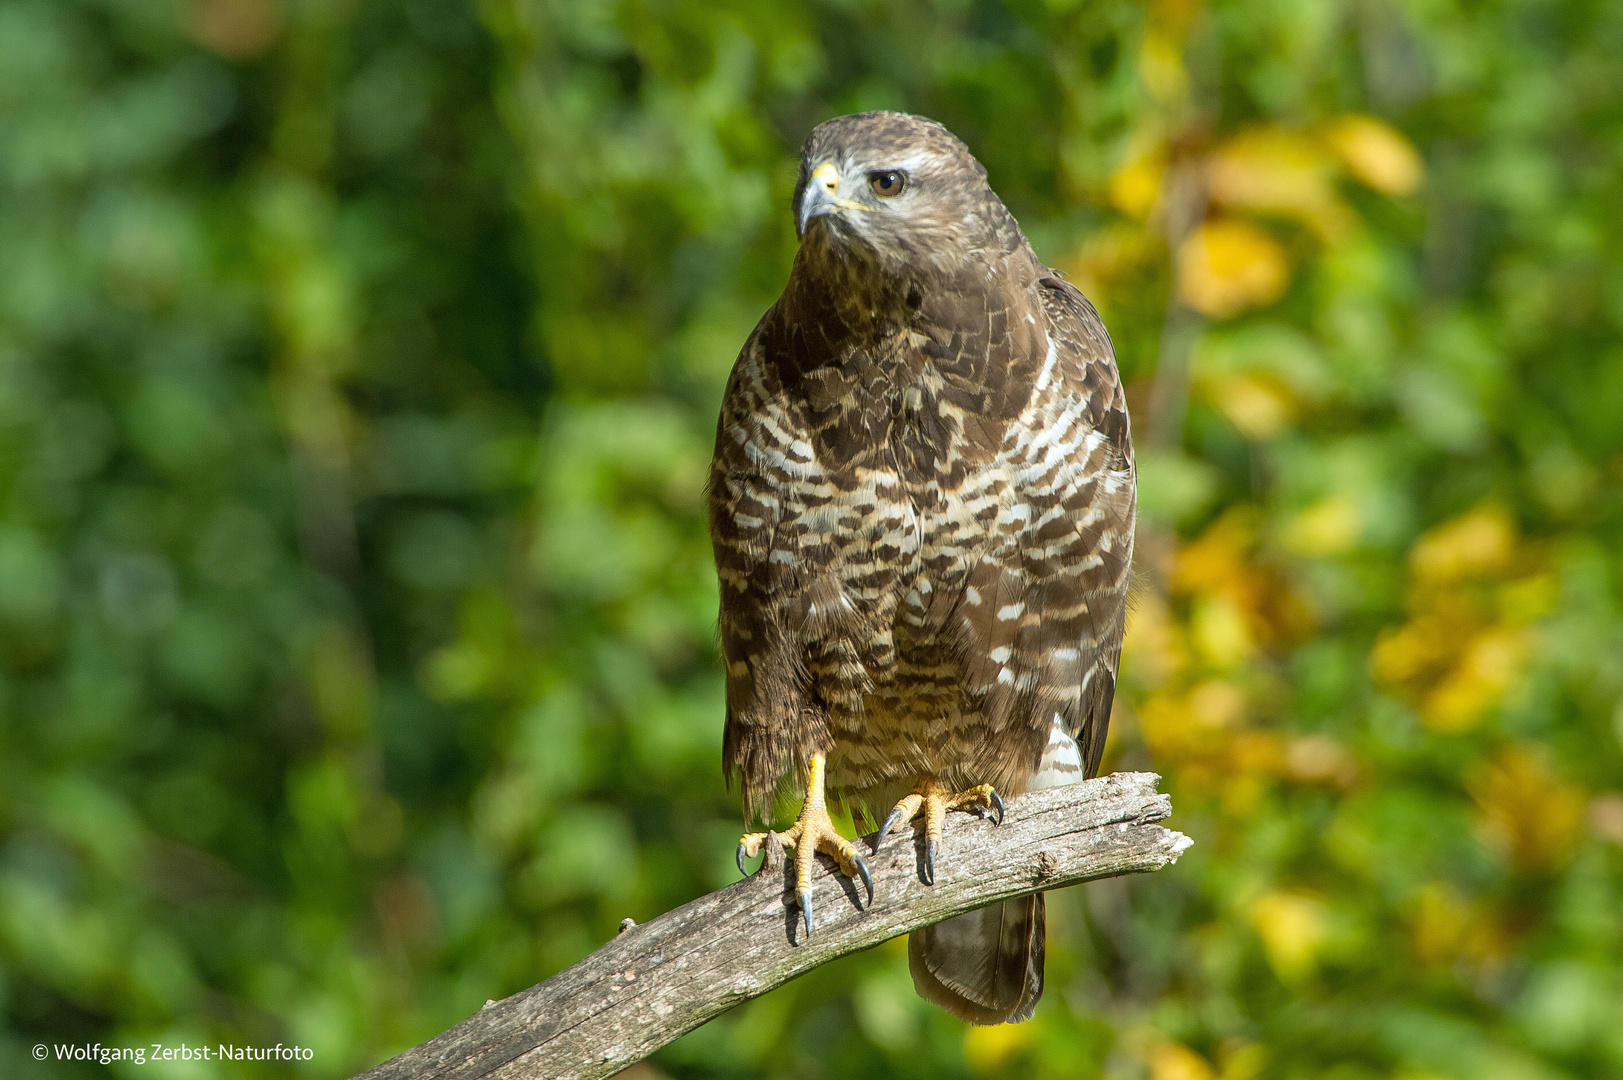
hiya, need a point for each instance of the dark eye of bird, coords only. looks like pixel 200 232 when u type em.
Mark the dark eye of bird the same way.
pixel 887 185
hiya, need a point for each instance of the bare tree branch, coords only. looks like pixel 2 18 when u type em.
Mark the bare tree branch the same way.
pixel 665 978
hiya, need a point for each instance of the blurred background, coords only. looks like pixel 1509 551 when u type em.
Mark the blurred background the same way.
pixel 359 364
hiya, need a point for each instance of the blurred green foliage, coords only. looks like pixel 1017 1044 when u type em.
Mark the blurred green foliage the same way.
pixel 358 365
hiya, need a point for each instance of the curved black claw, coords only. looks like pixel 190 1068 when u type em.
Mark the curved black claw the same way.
pixel 867 875
pixel 803 898
pixel 929 861
pixel 884 830
pixel 741 869
pixel 997 804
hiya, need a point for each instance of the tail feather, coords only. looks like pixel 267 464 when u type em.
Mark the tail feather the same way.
pixel 984 966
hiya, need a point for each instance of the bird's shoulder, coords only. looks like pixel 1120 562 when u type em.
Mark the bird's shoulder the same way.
pixel 1081 371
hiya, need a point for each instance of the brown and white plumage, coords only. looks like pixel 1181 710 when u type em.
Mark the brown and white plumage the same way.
pixel 922 504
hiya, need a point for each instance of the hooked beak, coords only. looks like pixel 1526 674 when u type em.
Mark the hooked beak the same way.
pixel 822 196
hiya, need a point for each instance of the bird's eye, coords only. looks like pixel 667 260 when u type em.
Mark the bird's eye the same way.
pixel 887 185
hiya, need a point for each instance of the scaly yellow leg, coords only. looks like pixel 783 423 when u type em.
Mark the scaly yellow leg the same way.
pixel 813 832
pixel 934 801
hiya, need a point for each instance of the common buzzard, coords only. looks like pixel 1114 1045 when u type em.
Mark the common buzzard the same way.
pixel 922 505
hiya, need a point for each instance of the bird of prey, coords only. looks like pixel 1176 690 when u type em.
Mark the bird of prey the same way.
pixel 921 504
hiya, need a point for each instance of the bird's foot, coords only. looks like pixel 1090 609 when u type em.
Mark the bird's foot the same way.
pixel 813 832
pixel 752 844
pixel 930 804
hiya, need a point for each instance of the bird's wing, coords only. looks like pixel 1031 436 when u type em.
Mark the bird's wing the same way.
pixel 1088 466
pixel 1045 605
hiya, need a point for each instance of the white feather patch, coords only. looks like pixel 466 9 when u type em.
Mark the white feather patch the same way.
pixel 1062 760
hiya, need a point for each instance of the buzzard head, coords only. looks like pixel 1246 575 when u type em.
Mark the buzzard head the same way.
pixel 897 195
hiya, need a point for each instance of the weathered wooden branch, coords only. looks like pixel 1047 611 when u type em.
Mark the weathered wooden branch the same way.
pixel 661 980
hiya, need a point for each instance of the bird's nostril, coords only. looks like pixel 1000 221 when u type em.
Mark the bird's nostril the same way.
pixel 827 176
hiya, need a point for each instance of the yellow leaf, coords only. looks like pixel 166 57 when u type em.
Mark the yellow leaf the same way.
pixel 1531 598
pixel 1260 408
pixel 1225 267
pixel 1240 604
pixel 1216 560
pixel 1180 727
pixel 986 1049
pixel 1254 758
pixel 1174 1061
pixel 1276 171
pixel 1400 655
pixel 1136 186
pixel 1216 704
pixel 1219 628
pixel 1490 663
pixel 1242 1060
pixel 1480 542
pixel 1118 255
pixel 1163 718
pixel 1293 928
pixel 1152 646
pixel 1438 921
pixel 1528 814
pixel 1377 154
pixel 1329 527
pixel 1318 759
pixel 1160 65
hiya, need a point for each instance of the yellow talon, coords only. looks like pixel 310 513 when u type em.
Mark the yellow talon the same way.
pixel 935 802
pixel 813 832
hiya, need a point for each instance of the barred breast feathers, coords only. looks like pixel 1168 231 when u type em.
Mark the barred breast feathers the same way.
pixel 959 489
